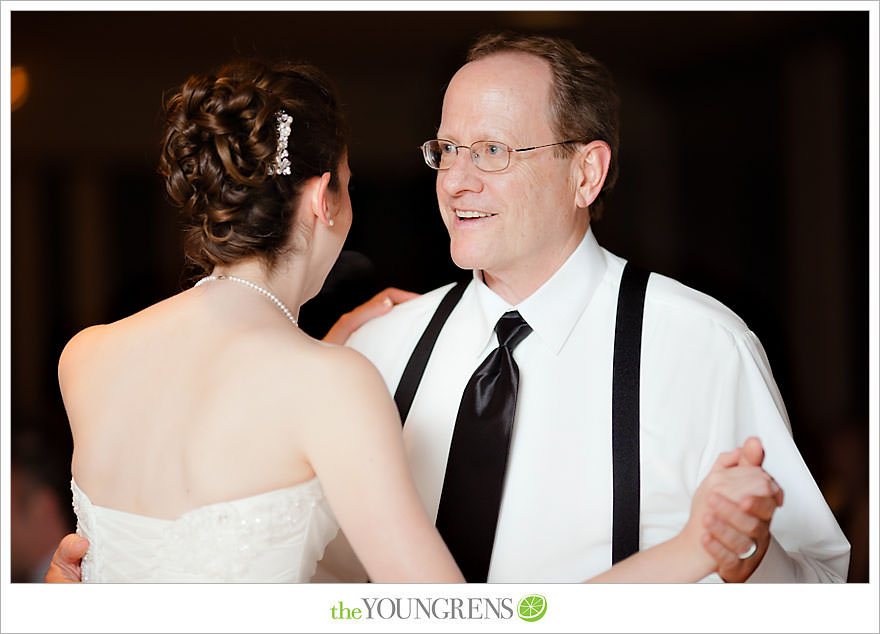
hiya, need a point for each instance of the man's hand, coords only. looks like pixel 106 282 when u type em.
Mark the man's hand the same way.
pixel 380 304
pixel 66 562
pixel 734 527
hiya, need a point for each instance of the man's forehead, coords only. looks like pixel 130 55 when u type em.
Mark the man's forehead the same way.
pixel 498 92
pixel 506 71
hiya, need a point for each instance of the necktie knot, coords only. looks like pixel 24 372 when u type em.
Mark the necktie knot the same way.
pixel 511 329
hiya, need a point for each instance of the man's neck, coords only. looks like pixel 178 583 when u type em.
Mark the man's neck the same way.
pixel 514 286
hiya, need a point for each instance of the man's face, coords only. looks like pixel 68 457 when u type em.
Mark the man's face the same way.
pixel 533 223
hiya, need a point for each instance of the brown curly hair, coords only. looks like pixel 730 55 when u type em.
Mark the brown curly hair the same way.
pixel 220 138
pixel 584 102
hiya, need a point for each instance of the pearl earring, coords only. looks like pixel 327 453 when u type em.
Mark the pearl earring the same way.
pixel 331 222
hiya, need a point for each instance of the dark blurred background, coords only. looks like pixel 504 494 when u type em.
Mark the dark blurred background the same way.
pixel 744 174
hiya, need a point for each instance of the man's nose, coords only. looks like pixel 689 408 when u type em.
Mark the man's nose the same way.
pixel 462 176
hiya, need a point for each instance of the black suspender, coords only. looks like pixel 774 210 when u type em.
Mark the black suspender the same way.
pixel 624 398
pixel 415 367
pixel 625 412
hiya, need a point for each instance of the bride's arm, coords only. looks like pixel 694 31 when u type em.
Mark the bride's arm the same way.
pixel 695 552
pixel 355 445
pixel 356 449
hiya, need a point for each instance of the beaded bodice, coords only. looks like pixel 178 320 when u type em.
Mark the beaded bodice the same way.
pixel 277 536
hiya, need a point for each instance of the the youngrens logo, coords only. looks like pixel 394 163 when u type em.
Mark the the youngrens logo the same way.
pixel 530 608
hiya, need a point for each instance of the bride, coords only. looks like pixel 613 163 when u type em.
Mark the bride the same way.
pixel 214 440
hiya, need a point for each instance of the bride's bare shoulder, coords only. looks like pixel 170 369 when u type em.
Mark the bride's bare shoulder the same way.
pixel 96 346
pixel 337 373
pixel 81 349
pixel 326 360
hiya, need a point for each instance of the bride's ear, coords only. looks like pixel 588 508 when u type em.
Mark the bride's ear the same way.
pixel 319 203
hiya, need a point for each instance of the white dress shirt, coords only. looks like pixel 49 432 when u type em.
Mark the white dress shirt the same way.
pixel 705 387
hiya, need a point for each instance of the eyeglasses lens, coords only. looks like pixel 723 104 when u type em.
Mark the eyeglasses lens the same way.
pixel 489 156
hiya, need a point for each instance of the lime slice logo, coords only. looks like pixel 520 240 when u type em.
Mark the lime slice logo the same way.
pixel 532 607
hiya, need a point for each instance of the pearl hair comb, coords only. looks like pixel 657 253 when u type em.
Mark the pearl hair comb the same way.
pixel 281 163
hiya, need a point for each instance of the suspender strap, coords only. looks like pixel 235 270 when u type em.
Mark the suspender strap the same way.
pixel 625 412
pixel 415 367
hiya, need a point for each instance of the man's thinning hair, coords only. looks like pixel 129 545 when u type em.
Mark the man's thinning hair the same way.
pixel 584 103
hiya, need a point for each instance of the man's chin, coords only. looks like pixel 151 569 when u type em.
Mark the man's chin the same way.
pixel 467 261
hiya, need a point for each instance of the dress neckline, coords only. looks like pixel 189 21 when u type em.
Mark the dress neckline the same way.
pixel 306 484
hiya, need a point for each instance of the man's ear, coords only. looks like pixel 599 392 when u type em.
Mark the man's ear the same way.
pixel 319 202
pixel 591 167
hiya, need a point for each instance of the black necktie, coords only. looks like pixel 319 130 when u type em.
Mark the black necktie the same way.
pixel 471 497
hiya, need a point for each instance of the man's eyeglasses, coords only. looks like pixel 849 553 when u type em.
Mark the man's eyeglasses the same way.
pixel 489 156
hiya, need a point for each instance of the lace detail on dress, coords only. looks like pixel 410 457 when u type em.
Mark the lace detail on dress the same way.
pixel 274 536
pixel 234 530
pixel 82 507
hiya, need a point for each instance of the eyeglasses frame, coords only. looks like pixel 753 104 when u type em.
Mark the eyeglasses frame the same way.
pixel 509 151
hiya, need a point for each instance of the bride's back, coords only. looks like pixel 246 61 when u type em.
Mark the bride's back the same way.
pixel 194 400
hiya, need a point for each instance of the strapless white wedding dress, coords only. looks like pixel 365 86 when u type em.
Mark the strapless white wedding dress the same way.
pixel 272 537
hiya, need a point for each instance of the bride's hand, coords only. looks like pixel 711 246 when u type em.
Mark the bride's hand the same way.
pixel 731 509
pixel 378 305
pixel 738 526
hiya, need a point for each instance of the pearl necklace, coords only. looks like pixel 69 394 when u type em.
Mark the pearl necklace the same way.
pixel 259 289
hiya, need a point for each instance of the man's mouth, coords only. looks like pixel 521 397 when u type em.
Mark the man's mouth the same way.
pixel 467 214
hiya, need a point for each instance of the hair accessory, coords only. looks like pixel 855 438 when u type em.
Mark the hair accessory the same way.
pixel 281 164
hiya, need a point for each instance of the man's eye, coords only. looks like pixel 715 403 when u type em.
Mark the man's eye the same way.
pixel 447 148
pixel 494 150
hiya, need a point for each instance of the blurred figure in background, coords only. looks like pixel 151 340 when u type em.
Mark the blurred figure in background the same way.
pixel 40 513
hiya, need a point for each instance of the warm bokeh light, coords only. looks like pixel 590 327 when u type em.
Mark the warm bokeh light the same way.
pixel 20 86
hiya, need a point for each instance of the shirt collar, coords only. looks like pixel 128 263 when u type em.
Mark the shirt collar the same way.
pixel 553 310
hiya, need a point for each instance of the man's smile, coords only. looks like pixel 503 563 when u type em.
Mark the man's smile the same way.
pixel 470 214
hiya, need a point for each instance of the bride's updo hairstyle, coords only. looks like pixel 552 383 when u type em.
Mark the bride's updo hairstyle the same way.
pixel 221 137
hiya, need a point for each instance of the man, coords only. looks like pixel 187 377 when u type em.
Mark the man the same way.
pixel 520 219
pixel 526 146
